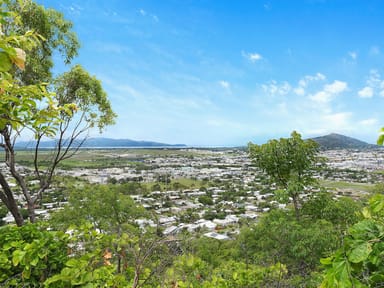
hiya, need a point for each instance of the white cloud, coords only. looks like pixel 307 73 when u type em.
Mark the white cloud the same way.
pixel 73 9
pixel 321 97
pixel 323 109
pixel 299 91
pixel 374 50
pixel 338 121
pixel 336 87
pixel 110 47
pixel 353 55
pixel 374 85
pixel 303 82
pixel 253 57
pixel 329 91
pixel 224 84
pixel 145 14
pixel 318 76
pixel 276 89
pixel 127 90
pixel 369 122
pixel 267 6
pixel 374 78
pixel 366 92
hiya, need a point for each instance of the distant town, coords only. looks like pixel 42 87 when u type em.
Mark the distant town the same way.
pixel 210 190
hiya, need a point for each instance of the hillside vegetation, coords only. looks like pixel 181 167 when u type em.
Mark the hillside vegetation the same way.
pixel 280 214
pixel 337 141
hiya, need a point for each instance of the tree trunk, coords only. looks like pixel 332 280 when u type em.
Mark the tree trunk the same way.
pixel 7 198
pixel 31 211
pixel 10 161
pixel 137 278
pixel 295 199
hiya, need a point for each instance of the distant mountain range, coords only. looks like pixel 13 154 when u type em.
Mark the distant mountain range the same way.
pixel 337 141
pixel 101 143
pixel 327 142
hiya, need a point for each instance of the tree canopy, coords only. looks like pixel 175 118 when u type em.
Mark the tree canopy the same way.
pixel 51 26
pixel 289 162
pixel 63 109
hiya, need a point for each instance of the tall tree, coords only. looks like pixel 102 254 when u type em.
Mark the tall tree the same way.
pixel 289 162
pixel 52 27
pixel 77 104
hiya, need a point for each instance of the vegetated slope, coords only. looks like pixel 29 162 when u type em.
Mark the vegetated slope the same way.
pixel 101 143
pixel 108 142
pixel 337 141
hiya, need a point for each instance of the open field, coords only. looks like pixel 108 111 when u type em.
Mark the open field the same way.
pixel 353 186
pixel 106 158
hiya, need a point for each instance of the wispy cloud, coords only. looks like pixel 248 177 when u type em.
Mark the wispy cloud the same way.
pixel 312 107
pixel 336 87
pixel 369 122
pixel 366 92
pixel 267 6
pixel 329 92
pixel 338 121
pixel 224 84
pixel 303 82
pixel 353 55
pixel 273 88
pixel 374 50
pixel 73 9
pixel 274 102
pixel 374 78
pixel 111 47
pixel 374 85
pixel 144 13
pixel 252 57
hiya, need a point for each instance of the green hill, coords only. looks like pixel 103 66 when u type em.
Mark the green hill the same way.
pixel 101 143
pixel 337 141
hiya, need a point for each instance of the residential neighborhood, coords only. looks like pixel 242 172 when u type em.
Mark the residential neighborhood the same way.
pixel 225 189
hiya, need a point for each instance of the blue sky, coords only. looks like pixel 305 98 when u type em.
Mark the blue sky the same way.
pixel 221 72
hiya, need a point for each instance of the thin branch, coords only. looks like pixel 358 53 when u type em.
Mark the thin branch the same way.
pixel 36 156
pixel 61 153
pixel 11 164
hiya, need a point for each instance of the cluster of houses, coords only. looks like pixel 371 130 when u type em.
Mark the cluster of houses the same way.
pixel 237 192
pixel 361 166
pixel 219 219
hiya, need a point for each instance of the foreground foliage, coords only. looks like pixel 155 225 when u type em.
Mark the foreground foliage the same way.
pixel 95 241
pixel 63 109
pixel 359 261
pixel 29 255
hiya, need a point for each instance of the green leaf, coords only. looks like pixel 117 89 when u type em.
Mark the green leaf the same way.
pixel 380 140
pixel 26 273
pixel 34 261
pixel 360 252
pixel 72 263
pixel 5 62
pixel 377 278
pixel 56 278
pixel 18 255
pixel 3 260
pixel 326 261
